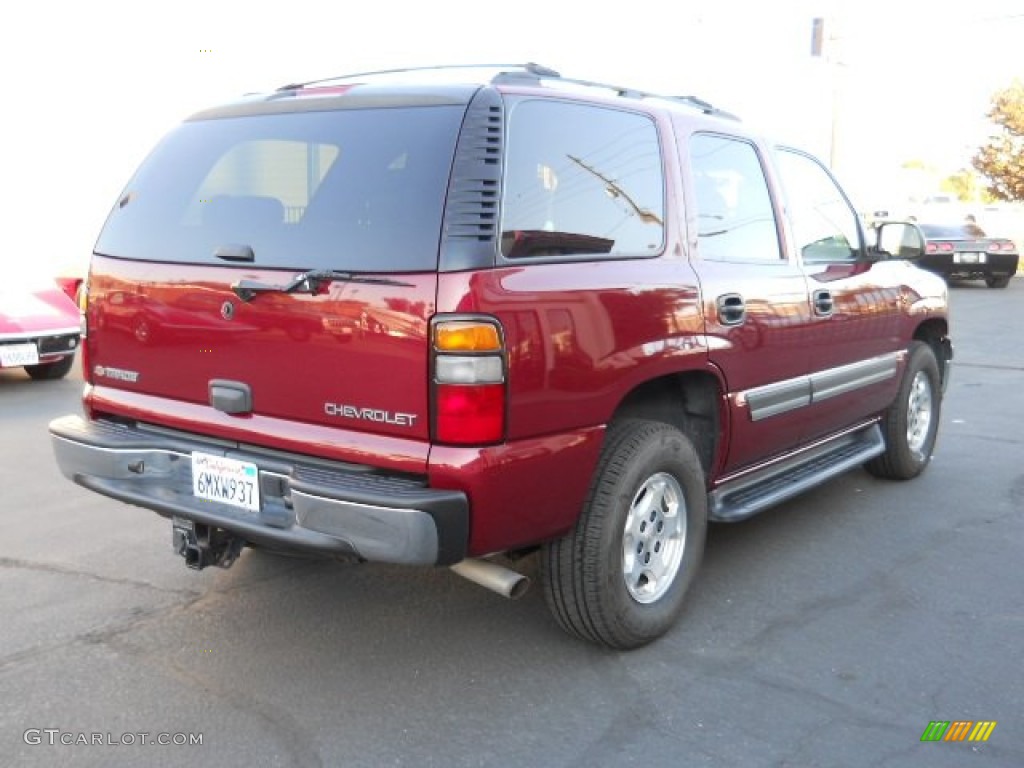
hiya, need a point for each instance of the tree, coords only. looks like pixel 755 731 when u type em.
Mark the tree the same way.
pixel 965 185
pixel 1002 158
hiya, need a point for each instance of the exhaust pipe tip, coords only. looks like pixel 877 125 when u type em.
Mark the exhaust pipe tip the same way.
pixel 497 578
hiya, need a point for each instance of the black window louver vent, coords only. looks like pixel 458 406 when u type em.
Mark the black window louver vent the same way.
pixel 469 235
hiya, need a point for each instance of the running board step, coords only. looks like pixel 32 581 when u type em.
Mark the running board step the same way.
pixel 751 493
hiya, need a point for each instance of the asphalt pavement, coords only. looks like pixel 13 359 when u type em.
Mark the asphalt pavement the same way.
pixel 829 631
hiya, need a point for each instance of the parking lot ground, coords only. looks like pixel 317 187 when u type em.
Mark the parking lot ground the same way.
pixel 829 631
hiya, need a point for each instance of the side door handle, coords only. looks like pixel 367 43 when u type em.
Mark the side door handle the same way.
pixel 823 303
pixel 731 309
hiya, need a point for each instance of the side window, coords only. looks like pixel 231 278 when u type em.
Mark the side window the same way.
pixel 581 180
pixel 735 218
pixel 824 225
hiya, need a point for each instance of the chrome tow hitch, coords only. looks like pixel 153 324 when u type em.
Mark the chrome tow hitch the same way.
pixel 203 545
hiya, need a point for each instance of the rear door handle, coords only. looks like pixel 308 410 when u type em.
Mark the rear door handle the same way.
pixel 731 309
pixel 823 303
pixel 230 396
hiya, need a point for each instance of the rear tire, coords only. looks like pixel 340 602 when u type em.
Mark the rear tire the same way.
pixel 619 577
pixel 997 281
pixel 51 371
pixel 911 423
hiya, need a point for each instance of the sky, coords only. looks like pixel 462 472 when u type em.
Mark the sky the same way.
pixel 88 88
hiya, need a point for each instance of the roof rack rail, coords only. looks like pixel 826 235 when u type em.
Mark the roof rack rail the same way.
pixel 531 72
pixel 529 68
pixel 626 92
pixel 704 106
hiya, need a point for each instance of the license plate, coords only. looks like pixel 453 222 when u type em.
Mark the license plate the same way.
pixel 229 481
pixel 16 355
pixel 969 257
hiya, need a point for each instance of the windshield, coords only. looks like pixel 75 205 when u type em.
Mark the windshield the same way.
pixel 356 189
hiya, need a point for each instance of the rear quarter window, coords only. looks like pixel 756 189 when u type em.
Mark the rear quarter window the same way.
pixel 581 180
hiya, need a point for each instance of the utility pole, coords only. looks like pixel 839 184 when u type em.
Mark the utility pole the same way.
pixel 826 45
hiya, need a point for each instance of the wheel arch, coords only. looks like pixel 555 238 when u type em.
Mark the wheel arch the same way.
pixel 690 401
pixel 935 333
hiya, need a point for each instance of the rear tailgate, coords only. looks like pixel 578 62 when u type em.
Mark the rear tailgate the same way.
pixel 260 194
pixel 353 356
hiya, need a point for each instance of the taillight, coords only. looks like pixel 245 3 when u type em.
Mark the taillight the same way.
pixel 83 325
pixel 69 285
pixel 82 300
pixel 469 387
pixel 1001 245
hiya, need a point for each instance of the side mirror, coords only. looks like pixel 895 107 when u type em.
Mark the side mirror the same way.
pixel 898 240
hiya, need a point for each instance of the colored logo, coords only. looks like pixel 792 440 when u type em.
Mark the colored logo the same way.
pixel 958 730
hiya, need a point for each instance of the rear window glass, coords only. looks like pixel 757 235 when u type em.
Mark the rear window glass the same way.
pixel 359 190
pixel 964 231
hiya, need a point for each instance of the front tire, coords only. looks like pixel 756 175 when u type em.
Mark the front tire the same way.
pixel 50 371
pixel 911 423
pixel 620 576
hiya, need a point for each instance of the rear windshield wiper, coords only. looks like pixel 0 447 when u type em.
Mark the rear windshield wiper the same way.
pixel 307 282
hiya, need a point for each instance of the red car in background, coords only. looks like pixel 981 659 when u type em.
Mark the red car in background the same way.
pixel 39 327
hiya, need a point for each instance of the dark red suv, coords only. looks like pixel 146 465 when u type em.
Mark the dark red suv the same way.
pixel 428 318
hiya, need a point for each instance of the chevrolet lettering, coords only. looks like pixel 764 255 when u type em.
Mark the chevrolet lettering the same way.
pixel 370 414
pixel 494 314
pixel 119 374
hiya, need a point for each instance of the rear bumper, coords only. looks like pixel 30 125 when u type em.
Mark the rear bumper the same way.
pixel 953 265
pixel 327 508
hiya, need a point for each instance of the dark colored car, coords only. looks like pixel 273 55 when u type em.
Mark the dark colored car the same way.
pixel 574 318
pixel 965 251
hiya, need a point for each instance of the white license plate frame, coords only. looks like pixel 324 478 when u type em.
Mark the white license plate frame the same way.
pixel 969 257
pixel 226 481
pixel 18 355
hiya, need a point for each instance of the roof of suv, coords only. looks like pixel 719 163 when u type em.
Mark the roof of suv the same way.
pixel 436 85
